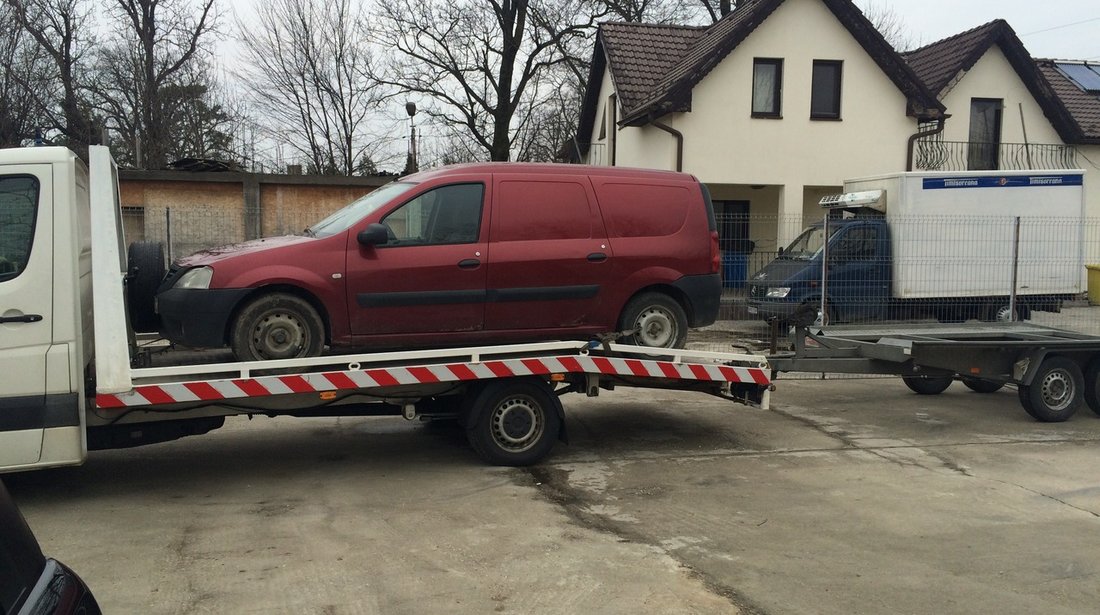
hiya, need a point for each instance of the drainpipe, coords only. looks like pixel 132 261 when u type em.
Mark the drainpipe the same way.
pixel 920 135
pixel 679 141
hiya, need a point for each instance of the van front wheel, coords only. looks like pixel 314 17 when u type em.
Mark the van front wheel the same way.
pixel 656 320
pixel 277 326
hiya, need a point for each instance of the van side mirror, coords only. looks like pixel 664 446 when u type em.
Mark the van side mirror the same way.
pixel 373 235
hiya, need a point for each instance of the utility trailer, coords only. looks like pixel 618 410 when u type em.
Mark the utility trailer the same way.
pixel 69 357
pixel 1054 370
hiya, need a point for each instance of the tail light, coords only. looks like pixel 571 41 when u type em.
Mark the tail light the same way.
pixel 715 256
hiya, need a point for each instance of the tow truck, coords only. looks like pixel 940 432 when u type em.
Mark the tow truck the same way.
pixel 75 377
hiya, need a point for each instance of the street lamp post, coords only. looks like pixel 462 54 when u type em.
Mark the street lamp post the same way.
pixel 411 164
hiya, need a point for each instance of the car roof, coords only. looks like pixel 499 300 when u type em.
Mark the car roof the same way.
pixel 545 168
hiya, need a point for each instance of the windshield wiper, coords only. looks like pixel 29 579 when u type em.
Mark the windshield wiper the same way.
pixel 308 232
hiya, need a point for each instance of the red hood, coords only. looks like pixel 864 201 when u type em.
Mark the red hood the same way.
pixel 210 256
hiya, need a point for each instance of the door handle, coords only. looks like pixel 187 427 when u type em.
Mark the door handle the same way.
pixel 469 263
pixel 24 318
pixel 597 257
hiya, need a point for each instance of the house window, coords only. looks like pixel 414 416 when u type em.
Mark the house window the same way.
pixel 767 85
pixel 825 90
pixel 985 134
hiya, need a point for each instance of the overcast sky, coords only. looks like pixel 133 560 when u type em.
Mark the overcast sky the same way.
pixel 1064 29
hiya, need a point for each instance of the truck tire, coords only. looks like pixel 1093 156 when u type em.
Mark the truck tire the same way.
pixel 1092 385
pixel 927 385
pixel 277 326
pixel 1055 393
pixel 979 385
pixel 1001 312
pixel 659 320
pixel 145 269
pixel 514 422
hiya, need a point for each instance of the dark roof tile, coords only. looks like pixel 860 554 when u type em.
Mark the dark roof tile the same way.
pixel 939 63
pixel 1083 107
pixel 640 54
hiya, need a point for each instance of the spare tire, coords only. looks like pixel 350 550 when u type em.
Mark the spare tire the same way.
pixel 145 267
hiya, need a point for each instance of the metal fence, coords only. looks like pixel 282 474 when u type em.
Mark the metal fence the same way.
pixel 936 155
pixel 939 268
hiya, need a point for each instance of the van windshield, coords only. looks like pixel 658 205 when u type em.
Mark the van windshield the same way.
pixel 342 219
pixel 807 245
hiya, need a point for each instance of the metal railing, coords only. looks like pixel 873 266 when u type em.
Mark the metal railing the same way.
pixel 936 155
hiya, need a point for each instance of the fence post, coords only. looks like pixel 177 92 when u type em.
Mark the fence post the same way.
pixel 825 271
pixel 1015 268
pixel 168 232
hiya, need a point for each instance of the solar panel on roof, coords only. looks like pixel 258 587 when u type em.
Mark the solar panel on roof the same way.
pixel 1085 75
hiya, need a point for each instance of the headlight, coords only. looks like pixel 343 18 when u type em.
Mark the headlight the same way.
pixel 199 277
pixel 778 292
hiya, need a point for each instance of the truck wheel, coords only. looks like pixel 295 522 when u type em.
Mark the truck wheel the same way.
pixel 145 268
pixel 1092 385
pixel 1001 312
pixel 659 320
pixel 1056 392
pixel 979 385
pixel 277 326
pixel 927 385
pixel 514 422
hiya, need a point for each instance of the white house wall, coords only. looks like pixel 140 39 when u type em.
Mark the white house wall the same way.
pixel 993 77
pixel 723 144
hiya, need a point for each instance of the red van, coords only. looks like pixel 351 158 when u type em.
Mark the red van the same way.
pixel 464 254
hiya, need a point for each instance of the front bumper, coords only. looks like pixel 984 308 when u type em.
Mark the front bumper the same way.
pixel 766 309
pixel 198 317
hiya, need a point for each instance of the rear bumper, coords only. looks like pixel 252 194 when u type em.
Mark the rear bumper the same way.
pixel 704 297
pixel 198 317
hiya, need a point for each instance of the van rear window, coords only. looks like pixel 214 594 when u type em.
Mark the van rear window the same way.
pixel 528 210
pixel 640 210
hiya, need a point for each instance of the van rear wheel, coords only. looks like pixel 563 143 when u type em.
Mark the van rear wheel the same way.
pixel 656 320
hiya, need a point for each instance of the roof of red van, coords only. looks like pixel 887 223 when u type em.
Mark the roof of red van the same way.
pixel 543 168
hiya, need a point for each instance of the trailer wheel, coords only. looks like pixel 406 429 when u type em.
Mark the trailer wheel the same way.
pixel 145 267
pixel 514 422
pixel 1092 385
pixel 277 326
pixel 927 385
pixel 979 385
pixel 1056 392
pixel 1001 312
pixel 659 319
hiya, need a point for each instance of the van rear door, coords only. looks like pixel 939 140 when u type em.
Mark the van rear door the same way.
pixel 550 262
pixel 26 296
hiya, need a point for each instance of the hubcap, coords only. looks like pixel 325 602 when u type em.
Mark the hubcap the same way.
pixel 1057 390
pixel 279 335
pixel 656 327
pixel 517 424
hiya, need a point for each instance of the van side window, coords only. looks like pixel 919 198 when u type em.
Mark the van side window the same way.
pixel 18 211
pixel 643 210
pixel 445 215
pixel 530 210
pixel 858 243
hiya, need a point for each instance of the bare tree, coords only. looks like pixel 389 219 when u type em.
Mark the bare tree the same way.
pixel 308 68
pixel 476 61
pixel 890 24
pixel 61 30
pixel 19 104
pixel 143 66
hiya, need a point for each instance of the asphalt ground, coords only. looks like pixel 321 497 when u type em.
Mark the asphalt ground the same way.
pixel 847 496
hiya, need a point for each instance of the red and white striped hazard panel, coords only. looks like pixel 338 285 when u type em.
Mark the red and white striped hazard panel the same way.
pixel 320 382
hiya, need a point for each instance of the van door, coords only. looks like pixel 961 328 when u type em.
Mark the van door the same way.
pixel 551 260
pixel 430 276
pixel 26 321
pixel 859 272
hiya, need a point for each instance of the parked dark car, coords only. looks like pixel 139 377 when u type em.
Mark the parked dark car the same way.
pixel 30 582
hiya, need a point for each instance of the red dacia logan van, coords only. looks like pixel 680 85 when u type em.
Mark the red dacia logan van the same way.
pixel 464 254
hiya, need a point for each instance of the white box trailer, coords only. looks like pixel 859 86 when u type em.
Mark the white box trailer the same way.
pixel 68 381
pixel 953 234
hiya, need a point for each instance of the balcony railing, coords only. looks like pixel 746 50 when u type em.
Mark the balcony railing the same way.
pixel 935 155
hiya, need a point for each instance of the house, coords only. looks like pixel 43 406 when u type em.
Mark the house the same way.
pixel 779 102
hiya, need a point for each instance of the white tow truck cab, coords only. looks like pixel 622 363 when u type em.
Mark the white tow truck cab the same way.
pixel 68 382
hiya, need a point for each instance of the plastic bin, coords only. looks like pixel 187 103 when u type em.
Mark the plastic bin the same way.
pixel 1094 284
pixel 735 266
